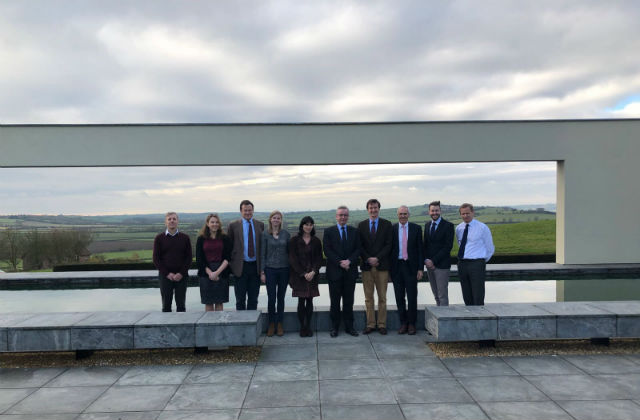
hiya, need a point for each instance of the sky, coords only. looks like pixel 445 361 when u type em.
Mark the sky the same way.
pixel 68 62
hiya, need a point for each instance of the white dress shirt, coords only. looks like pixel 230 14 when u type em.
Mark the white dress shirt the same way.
pixel 479 240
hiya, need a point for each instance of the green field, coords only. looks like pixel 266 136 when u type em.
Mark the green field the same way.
pixel 142 255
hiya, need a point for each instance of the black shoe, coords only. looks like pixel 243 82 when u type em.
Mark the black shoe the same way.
pixel 368 330
pixel 352 332
pixel 333 333
pixel 382 331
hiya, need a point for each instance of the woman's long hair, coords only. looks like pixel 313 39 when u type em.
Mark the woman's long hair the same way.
pixel 205 232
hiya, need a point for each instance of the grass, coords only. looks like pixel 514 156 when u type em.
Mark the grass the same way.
pixel 143 255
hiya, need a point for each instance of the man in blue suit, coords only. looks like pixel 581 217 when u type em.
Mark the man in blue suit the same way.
pixel 406 269
pixel 342 249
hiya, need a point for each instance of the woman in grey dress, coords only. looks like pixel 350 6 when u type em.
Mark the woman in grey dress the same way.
pixel 274 270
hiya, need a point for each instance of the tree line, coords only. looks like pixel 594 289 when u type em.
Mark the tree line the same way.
pixel 38 249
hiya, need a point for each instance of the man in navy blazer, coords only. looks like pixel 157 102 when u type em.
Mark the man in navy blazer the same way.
pixel 438 241
pixel 406 269
pixel 342 249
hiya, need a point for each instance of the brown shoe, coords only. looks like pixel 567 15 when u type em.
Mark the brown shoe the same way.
pixel 368 330
pixel 280 329
pixel 271 329
pixel 403 329
pixel 382 330
pixel 412 330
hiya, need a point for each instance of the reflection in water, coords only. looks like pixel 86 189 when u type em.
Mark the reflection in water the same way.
pixel 71 300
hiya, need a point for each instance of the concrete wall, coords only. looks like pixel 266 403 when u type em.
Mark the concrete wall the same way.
pixel 598 176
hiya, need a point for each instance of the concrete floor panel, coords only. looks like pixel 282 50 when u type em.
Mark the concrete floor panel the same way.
pixel 447 411
pixel 429 390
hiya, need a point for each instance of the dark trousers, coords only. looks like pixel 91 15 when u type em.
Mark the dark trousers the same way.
pixel 167 288
pixel 247 287
pixel 472 274
pixel 406 281
pixel 342 288
pixel 277 280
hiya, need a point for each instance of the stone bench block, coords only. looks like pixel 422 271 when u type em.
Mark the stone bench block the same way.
pixel 461 323
pixel 241 328
pixel 44 332
pixel 581 320
pixel 9 320
pixel 523 321
pixel 166 330
pixel 627 316
pixel 105 331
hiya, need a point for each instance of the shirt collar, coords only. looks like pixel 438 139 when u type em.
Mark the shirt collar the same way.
pixel 167 233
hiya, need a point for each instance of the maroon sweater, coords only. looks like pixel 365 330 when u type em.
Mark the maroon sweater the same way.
pixel 172 254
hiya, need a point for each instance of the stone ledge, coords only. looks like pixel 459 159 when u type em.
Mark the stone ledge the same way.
pixel 530 321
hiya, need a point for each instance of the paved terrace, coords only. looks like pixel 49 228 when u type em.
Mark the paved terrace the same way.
pixel 372 377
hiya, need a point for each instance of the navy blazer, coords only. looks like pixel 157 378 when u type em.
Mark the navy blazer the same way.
pixel 415 251
pixel 379 248
pixel 335 252
pixel 438 247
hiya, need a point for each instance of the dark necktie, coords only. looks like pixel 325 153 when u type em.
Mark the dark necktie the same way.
pixel 433 228
pixel 373 230
pixel 463 242
pixel 251 250
pixel 344 234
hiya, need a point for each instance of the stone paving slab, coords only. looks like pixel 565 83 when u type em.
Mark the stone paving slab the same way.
pixel 208 396
pixel 362 412
pixel 280 413
pixel 297 370
pixel 166 329
pixel 289 352
pixel 40 416
pixel 105 330
pixel 238 328
pixel 541 365
pixel 282 394
pixel 603 363
pixel 226 414
pixel 9 397
pixel 530 410
pixel 360 350
pixel 597 410
pixel 478 366
pixel 88 376
pixel 501 388
pixel 133 398
pixel 414 367
pixel 155 375
pixel 124 415
pixel 429 390
pixel 350 369
pixel 578 387
pixel 355 392
pixel 221 373
pixel 9 320
pixel 57 400
pixel 443 411
pixel 43 332
pixel 27 378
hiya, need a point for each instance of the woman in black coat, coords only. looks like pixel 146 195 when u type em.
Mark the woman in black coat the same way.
pixel 305 259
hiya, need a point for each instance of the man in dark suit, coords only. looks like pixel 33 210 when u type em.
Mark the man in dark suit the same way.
pixel 375 248
pixel 245 233
pixel 438 241
pixel 342 249
pixel 406 268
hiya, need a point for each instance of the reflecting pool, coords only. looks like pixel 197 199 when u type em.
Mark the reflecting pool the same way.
pixel 113 299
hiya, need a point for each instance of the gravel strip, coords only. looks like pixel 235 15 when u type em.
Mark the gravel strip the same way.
pixel 535 348
pixel 130 357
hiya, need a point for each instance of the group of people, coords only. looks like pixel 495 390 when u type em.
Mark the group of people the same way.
pixel 383 251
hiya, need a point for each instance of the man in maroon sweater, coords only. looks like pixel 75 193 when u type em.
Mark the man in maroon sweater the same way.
pixel 172 257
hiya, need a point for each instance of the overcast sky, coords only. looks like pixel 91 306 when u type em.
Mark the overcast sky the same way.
pixel 292 61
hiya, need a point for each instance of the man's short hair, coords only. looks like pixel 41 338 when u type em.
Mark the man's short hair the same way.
pixel 342 207
pixel 245 203
pixel 373 201
pixel 434 203
pixel 406 207
pixel 466 205
pixel 171 213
